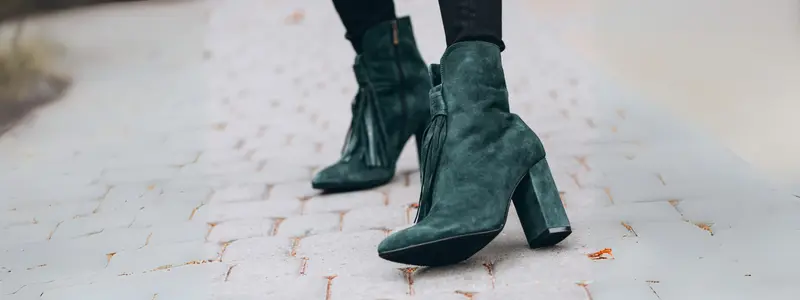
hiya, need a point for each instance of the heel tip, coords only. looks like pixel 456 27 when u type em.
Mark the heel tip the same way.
pixel 550 237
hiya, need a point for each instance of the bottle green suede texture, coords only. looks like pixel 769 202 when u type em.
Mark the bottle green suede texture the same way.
pixel 391 105
pixel 475 152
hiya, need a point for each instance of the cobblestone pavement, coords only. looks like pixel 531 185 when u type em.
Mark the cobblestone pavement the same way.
pixel 165 190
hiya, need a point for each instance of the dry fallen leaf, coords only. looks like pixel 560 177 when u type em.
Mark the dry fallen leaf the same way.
pixel 296 17
pixel 583 283
pixel 599 254
pixel 468 295
pixel 705 226
pixel 109 256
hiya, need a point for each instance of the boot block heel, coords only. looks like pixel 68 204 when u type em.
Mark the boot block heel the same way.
pixel 539 207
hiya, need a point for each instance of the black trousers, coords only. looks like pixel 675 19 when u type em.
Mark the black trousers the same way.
pixel 463 20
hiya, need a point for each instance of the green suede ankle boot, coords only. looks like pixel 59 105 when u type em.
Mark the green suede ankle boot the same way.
pixel 391 105
pixel 476 158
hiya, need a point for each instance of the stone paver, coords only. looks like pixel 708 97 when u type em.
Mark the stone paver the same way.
pixel 194 184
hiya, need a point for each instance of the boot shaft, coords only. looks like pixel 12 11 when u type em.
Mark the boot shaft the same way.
pixel 473 78
pixel 393 87
pixel 391 56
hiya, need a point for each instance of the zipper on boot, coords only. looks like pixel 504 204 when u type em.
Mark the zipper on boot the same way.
pixel 398 64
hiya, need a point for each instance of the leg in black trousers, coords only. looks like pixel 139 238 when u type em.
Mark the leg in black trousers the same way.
pixel 472 20
pixel 360 15
pixel 463 20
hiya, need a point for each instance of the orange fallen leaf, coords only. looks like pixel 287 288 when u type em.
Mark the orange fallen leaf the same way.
pixel 109 256
pixel 199 262
pixel 585 286
pixel 220 126
pixel 629 228
pixel 296 17
pixel 408 270
pixel 583 283
pixel 705 226
pixel 164 267
pixel 468 295
pixel 599 254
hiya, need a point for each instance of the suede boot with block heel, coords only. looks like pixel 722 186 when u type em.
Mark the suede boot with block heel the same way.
pixel 476 158
pixel 391 106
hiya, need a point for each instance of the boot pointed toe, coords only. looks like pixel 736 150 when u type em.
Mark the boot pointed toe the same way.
pixel 343 177
pixel 431 247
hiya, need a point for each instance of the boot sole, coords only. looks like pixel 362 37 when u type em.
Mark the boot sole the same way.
pixel 352 187
pixel 442 252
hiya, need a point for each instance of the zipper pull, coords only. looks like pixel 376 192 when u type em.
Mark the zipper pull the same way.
pixel 395 38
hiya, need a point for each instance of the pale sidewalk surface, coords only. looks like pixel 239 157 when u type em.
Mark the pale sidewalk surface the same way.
pixel 180 170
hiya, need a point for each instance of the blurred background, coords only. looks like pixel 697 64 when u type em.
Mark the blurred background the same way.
pixel 730 66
